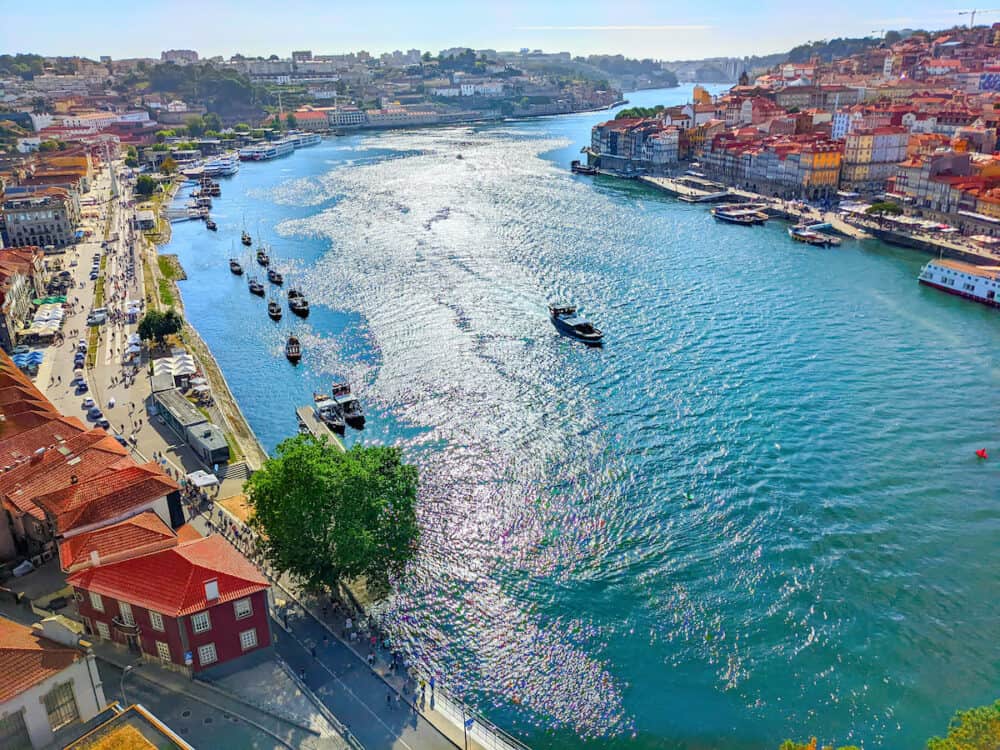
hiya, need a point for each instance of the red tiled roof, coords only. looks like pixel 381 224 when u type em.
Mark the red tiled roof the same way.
pixel 172 581
pixel 140 534
pixel 27 658
pixel 38 430
pixel 105 496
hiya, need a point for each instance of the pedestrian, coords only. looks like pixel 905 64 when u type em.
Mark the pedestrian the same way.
pixel 388 699
pixel 312 650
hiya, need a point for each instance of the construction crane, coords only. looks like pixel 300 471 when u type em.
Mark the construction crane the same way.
pixel 972 14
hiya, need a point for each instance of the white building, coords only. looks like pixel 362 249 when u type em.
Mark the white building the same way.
pixel 50 681
pixel 346 117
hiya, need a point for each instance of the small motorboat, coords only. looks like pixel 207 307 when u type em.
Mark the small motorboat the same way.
pixel 274 311
pixel 274 277
pixel 294 293
pixel 802 233
pixel 299 306
pixel 328 412
pixel 349 405
pixel 211 225
pixel 246 239
pixel 235 267
pixel 256 287
pixel 293 350
pixel 578 168
pixel 263 258
pixel 566 321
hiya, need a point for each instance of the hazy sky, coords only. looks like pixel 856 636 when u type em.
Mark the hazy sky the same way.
pixel 667 29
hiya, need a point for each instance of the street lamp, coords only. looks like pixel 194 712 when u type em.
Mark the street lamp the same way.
pixel 121 683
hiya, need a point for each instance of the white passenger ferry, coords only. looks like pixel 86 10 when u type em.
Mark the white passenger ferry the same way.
pixel 979 283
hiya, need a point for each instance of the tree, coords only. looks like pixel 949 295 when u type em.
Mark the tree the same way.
pixel 212 121
pixel 131 157
pixel 327 516
pixel 291 121
pixel 195 126
pixel 975 729
pixel 241 127
pixel 145 185
pixel 884 207
pixel 156 325
pixel 168 165
pixel 50 145
pixel 162 135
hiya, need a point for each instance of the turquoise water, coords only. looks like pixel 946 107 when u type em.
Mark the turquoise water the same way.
pixel 755 513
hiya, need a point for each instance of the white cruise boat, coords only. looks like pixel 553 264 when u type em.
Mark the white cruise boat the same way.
pixel 221 167
pixel 302 139
pixel 978 283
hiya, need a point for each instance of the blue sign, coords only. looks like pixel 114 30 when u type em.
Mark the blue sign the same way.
pixel 188 658
pixel 469 723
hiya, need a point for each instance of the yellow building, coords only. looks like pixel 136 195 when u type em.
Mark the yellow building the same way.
pixel 701 95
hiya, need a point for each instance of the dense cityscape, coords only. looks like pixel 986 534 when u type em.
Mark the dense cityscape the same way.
pixel 174 575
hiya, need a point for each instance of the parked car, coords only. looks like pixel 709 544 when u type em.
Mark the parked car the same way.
pixel 94 413
pixel 81 388
pixel 94 275
pixel 121 441
pixel 104 423
pixel 22 349
pixel 89 403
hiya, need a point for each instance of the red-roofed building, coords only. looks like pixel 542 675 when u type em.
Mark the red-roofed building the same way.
pixel 197 605
pixel 49 681
pixel 139 535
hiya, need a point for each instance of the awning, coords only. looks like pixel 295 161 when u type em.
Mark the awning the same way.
pixel 202 478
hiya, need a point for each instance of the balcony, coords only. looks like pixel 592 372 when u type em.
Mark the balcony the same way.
pixel 125 628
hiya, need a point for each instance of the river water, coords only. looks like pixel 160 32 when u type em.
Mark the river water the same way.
pixel 755 513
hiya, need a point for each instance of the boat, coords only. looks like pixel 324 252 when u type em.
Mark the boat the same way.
pixel 294 293
pixel 263 258
pixel 293 350
pixel 274 311
pixel 747 217
pixel 803 233
pixel 203 201
pixel 274 277
pixel 211 225
pixel 235 267
pixel 246 239
pixel 328 412
pixel 223 166
pixel 255 287
pixel 978 283
pixel 566 321
pixel 349 405
pixel 578 167
pixel 299 306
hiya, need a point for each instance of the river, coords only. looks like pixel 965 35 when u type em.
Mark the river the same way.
pixel 756 513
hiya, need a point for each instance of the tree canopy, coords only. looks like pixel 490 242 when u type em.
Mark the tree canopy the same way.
pixel 145 185
pixel 168 165
pixel 884 207
pixel 326 516
pixel 975 729
pixel 156 325
pixel 640 112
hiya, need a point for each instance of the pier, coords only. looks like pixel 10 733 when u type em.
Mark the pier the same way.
pixel 315 426
pixel 689 189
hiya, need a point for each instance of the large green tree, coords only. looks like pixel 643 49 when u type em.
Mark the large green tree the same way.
pixel 975 729
pixel 327 516
pixel 145 185
pixel 156 325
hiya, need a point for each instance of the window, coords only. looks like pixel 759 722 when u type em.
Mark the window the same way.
pixel 243 608
pixel 126 613
pixel 13 732
pixel 60 704
pixel 163 651
pixel 201 622
pixel 102 630
pixel 248 639
pixel 156 620
pixel 96 602
pixel 206 654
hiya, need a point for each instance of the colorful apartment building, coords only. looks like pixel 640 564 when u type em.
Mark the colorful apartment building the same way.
pixel 871 157
pixel 634 145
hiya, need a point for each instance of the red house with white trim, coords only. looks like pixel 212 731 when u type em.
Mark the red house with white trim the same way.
pixel 196 605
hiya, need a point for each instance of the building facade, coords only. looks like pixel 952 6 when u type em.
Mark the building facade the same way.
pixel 47 219
pixel 196 606
pixel 871 157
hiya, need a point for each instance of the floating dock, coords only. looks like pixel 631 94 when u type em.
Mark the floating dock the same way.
pixel 315 426
pixel 704 192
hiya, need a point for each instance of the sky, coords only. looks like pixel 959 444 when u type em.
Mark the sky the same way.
pixel 667 29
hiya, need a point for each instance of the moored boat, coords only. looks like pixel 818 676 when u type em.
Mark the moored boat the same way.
pixel 255 287
pixel 578 167
pixel 802 233
pixel 246 239
pixel 747 217
pixel 978 283
pixel 299 306
pixel 349 405
pixel 211 225
pixel 263 258
pixel 328 412
pixel 566 321
pixel 235 267
pixel 274 311
pixel 293 350
pixel 274 277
